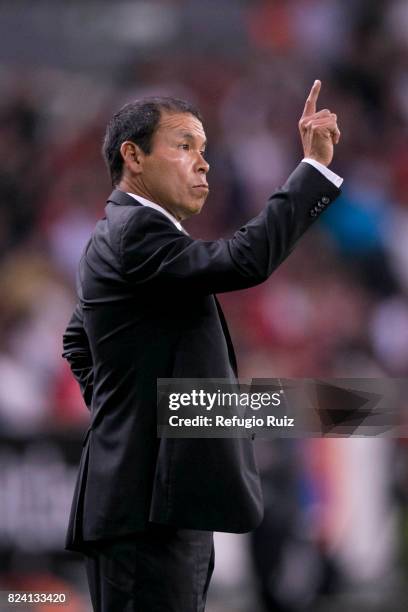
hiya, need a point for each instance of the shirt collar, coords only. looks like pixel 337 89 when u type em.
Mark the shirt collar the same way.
pixel 150 204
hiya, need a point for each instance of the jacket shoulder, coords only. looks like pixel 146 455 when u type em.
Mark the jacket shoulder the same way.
pixel 133 223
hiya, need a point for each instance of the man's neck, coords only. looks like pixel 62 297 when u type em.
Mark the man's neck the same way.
pixel 137 190
pixel 146 202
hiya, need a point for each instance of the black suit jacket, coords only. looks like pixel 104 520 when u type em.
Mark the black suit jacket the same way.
pixel 147 310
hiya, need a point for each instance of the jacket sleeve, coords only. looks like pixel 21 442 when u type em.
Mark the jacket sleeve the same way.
pixel 153 251
pixel 78 354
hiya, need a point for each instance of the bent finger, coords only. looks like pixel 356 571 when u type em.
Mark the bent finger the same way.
pixel 336 135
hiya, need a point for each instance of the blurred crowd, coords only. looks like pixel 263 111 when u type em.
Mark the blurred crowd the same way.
pixel 337 307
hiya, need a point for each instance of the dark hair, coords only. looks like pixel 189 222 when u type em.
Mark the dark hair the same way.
pixel 137 121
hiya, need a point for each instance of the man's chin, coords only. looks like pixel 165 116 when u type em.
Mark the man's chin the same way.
pixel 198 209
pixel 193 209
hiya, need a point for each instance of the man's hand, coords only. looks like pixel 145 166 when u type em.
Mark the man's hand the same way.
pixel 318 130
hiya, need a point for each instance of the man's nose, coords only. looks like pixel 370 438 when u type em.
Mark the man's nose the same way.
pixel 203 165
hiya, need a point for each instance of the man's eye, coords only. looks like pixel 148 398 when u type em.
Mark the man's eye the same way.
pixel 203 153
pixel 186 147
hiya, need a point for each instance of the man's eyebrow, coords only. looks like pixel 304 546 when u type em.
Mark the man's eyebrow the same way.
pixel 191 136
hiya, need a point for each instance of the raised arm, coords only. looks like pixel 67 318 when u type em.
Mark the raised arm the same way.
pixel 153 251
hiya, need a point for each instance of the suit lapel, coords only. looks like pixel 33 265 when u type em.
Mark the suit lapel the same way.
pixel 225 329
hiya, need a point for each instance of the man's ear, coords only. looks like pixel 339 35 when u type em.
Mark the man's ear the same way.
pixel 133 156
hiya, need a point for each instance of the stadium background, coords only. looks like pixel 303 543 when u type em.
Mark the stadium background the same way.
pixel 335 534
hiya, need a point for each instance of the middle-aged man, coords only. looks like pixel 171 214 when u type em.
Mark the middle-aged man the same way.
pixel 145 509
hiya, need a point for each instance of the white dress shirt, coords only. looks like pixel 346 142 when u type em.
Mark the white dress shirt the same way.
pixel 329 174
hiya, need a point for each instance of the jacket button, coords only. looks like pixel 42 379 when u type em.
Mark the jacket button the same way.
pixel 325 200
pixel 313 212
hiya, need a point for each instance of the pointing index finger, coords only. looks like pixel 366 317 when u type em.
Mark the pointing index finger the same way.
pixel 310 106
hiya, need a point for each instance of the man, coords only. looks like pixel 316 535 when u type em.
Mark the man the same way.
pixel 144 509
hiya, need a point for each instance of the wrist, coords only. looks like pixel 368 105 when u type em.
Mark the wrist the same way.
pixel 329 174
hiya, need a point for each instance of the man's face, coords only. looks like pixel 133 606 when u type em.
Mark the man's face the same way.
pixel 174 173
